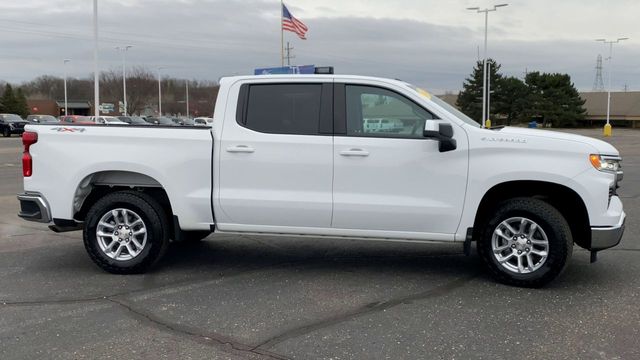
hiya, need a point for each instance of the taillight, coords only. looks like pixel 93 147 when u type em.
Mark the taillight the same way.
pixel 28 138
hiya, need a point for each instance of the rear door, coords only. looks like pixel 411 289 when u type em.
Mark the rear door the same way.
pixel 276 157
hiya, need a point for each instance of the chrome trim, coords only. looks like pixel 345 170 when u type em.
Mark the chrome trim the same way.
pixel 609 236
pixel 39 200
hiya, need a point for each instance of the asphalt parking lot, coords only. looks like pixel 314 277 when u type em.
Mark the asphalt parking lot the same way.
pixel 247 298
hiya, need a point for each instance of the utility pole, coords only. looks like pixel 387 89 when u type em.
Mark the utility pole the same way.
pixel 159 92
pixel 187 96
pixel 124 50
pixel 288 55
pixel 66 108
pixel 607 126
pixel 96 75
pixel 484 61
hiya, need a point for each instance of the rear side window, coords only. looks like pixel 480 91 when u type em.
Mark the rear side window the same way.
pixel 284 108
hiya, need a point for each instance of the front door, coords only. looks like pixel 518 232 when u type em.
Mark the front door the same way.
pixel 388 179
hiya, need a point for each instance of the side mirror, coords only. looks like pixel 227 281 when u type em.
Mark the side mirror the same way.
pixel 444 135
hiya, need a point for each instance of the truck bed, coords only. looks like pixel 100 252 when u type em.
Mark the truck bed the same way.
pixel 178 159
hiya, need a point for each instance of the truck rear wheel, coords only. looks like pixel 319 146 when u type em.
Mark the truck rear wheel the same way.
pixel 126 232
pixel 525 242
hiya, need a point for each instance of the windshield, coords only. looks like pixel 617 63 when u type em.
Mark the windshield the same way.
pixel 443 104
pixel 137 120
pixel 47 119
pixel 12 118
pixel 165 121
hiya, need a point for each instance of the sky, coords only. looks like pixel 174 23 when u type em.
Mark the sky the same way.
pixel 433 44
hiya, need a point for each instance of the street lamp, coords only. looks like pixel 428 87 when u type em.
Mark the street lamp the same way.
pixel 186 83
pixel 607 126
pixel 160 91
pixel 66 109
pixel 124 50
pixel 96 79
pixel 484 60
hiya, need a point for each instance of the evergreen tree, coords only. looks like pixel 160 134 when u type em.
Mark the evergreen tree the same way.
pixel 554 99
pixel 8 100
pixel 470 98
pixel 22 108
pixel 511 98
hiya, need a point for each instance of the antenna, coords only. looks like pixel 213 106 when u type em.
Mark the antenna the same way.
pixel 598 84
pixel 288 55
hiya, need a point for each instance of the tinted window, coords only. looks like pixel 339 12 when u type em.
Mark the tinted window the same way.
pixel 284 108
pixel 373 111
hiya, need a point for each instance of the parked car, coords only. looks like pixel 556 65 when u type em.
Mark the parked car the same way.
pixel 203 121
pixel 107 120
pixel 165 121
pixel 42 119
pixel 278 162
pixel 76 119
pixel 187 122
pixel 133 120
pixel 11 124
pixel 382 125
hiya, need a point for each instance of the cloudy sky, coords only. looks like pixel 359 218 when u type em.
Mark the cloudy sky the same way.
pixel 430 43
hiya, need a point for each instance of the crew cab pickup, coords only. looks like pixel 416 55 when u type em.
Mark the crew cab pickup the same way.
pixel 291 155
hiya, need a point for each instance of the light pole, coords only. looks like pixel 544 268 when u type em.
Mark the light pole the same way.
pixel 607 126
pixel 484 60
pixel 124 50
pixel 159 91
pixel 66 109
pixel 187 96
pixel 96 79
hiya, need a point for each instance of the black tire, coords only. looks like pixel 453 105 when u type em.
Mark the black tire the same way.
pixel 546 217
pixel 6 132
pixel 157 230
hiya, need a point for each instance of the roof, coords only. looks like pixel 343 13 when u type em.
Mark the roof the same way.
pixel 303 77
pixel 75 104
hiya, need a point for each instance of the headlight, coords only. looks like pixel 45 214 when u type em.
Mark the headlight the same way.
pixel 606 163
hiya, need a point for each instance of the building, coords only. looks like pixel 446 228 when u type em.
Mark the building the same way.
pixel 56 108
pixel 625 107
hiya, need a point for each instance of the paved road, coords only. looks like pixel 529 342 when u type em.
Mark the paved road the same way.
pixel 248 298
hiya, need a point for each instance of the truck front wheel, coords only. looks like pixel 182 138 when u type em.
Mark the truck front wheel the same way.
pixel 525 242
pixel 126 232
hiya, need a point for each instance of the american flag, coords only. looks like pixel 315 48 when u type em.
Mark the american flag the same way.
pixel 290 23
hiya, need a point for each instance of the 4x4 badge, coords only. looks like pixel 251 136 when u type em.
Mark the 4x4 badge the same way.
pixel 68 129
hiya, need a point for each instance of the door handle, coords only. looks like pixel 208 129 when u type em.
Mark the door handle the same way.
pixel 240 149
pixel 354 152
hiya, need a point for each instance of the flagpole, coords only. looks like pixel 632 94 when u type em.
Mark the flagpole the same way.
pixel 281 34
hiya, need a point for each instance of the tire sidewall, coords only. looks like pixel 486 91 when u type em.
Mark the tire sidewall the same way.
pixel 153 224
pixel 559 250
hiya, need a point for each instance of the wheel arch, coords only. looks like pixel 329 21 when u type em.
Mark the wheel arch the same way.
pixel 100 183
pixel 563 198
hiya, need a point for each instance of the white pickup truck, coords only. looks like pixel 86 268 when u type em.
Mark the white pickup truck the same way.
pixel 289 155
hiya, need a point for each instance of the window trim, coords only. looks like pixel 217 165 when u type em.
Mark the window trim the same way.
pixel 340 115
pixel 325 121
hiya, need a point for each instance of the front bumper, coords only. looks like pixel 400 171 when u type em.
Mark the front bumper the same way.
pixel 34 207
pixel 606 237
